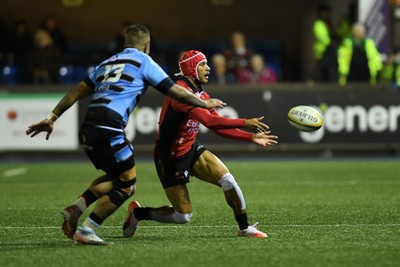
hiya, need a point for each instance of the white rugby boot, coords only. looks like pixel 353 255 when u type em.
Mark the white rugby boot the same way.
pixel 86 236
pixel 252 231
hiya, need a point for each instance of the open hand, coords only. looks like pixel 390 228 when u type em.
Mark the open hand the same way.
pixel 265 139
pixel 43 126
pixel 256 125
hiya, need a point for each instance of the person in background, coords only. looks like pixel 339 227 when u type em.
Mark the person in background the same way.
pixel 358 58
pixel 391 69
pixel 238 55
pixel 219 74
pixel 116 86
pixel 328 67
pixel 178 153
pixel 343 28
pixel 259 73
pixel 322 31
pixel 50 24
pixel 45 59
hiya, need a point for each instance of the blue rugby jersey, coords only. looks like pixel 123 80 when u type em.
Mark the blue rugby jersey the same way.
pixel 119 82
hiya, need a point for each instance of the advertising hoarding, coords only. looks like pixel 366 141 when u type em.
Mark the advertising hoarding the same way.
pixel 18 111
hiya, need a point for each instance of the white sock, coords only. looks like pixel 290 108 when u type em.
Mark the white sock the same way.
pixel 81 203
pixel 90 225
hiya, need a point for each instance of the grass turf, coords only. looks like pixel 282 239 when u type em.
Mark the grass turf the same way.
pixel 316 213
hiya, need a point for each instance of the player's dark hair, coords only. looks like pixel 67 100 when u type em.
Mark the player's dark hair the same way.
pixel 135 34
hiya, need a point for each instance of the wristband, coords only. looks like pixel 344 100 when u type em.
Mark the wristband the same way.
pixel 52 117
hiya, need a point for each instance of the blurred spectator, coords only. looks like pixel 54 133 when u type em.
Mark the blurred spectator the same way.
pixel 219 73
pixel 322 31
pixel 327 67
pixel 344 26
pixel 238 55
pixel 45 59
pixel 391 69
pixel 259 72
pixel 359 59
pixel 50 24
pixel 21 45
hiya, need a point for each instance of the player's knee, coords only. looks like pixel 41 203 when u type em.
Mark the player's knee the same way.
pixel 227 182
pixel 121 191
pixel 181 218
pixel 129 190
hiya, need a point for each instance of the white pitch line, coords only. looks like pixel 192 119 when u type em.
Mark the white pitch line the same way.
pixel 14 172
pixel 217 226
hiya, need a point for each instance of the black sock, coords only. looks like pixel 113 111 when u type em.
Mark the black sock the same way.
pixel 89 197
pixel 96 218
pixel 142 213
pixel 242 221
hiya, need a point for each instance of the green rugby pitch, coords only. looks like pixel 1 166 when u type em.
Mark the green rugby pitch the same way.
pixel 316 213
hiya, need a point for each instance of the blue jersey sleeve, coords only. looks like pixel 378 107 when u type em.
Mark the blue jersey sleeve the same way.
pixel 90 80
pixel 153 73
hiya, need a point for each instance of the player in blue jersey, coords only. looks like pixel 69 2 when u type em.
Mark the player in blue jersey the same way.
pixel 116 86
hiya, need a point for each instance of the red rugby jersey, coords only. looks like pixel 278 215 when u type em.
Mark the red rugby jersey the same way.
pixel 179 124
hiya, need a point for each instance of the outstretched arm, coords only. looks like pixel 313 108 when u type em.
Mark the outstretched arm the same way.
pixel 80 91
pixel 264 139
pixel 183 95
pixel 153 73
pixel 260 137
pixel 212 120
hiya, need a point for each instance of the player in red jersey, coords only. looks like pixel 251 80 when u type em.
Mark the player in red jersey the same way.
pixel 178 154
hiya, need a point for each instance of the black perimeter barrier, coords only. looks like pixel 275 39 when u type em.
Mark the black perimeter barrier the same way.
pixel 359 119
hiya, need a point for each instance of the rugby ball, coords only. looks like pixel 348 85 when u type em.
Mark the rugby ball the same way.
pixel 305 118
